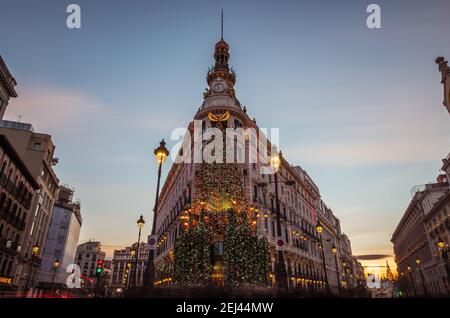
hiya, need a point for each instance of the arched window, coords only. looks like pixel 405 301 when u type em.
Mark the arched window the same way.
pixel 2 199
pixel 3 167
pixel 7 205
pixel 14 209
pixel 10 174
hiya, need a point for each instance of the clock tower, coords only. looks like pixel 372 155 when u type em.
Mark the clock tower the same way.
pixel 221 79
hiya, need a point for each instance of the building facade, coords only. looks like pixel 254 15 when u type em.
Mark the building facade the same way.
pixel 413 247
pixel 36 151
pixel 348 272
pixel 17 190
pixel 62 239
pixel 7 87
pixel 300 201
pixel 87 256
pixel 446 167
pixel 437 225
pixel 124 265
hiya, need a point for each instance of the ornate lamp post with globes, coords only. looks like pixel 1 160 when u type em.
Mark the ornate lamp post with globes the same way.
pixel 411 278
pixel 319 229
pixel 140 223
pixel 161 153
pixel 55 267
pixel 334 251
pixel 34 254
pixel 422 278
pixel 280 269
pixel 444 254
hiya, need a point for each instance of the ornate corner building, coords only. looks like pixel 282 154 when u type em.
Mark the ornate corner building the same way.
pixel 301 205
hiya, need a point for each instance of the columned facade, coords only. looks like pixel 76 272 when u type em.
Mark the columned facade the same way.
pixel 418 261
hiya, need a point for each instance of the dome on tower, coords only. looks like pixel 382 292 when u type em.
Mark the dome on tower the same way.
pixel 222 44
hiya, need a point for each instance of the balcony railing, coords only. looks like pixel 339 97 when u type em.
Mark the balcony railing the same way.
pixel 20 194
pixel 14 220
pixel 8 244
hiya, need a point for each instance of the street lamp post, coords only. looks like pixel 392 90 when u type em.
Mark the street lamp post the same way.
pixel 161 154
pixel 444 254
pixel 347 284
pixel 319 230
pixel 128 276
pixel 422 278
pixel 280 269
pixel 34 253
pixel 55 267
pixel 412 280
pixel 334 250
pixel 140 224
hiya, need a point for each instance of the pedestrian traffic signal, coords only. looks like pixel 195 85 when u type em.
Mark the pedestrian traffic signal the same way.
pixel 99 267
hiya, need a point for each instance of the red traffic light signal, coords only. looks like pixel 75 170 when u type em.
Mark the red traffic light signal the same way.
pixel 99 266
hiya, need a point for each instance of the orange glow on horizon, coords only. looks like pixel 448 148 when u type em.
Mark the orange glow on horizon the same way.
pixel 378 266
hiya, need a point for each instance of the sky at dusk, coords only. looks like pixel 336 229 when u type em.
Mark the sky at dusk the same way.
pixel 359 109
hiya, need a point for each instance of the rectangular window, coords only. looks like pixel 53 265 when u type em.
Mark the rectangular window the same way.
pixel 37 146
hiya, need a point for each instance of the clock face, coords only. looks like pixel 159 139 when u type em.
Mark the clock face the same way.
pixel 218 87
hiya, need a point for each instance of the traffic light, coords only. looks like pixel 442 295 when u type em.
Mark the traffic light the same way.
pixel 99 267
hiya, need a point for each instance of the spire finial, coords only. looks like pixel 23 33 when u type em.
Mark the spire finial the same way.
pixel 221 30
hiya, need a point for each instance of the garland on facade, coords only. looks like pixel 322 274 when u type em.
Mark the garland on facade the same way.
pixel 218 187
pixel 220 208
pixel 192 264
pixel 246 257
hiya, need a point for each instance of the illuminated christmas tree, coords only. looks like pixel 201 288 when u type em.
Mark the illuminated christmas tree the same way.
pixel 220 213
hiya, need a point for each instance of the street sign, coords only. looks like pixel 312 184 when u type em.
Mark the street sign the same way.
pixel 152 242
pixel 280 243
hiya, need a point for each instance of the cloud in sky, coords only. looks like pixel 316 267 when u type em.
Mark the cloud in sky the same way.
pixel 385 150
pixel 52 109
pixel 372 257
pixel 61 110
pixel 390 131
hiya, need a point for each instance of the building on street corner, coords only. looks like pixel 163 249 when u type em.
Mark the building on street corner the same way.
pixel 62 240
pixel 419 264
pixel 123 267
pixel 87 257
pixel 17 189
pixel 308 257
pixel 36 150
pixel 437 226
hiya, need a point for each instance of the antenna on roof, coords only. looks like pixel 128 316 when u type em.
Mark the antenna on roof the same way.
pixel 221 29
